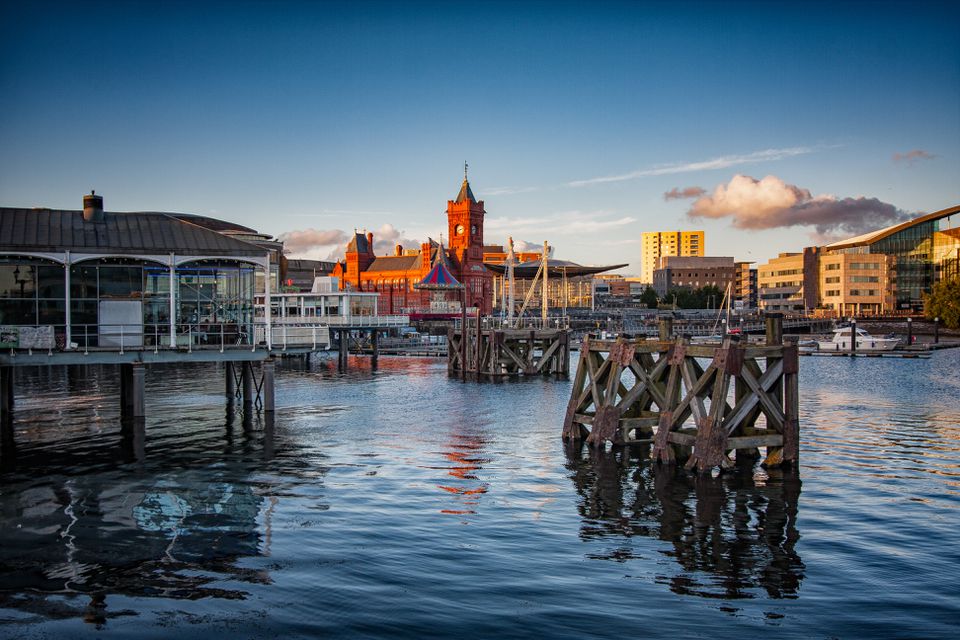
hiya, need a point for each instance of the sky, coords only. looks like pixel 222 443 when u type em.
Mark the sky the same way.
pixel 771 126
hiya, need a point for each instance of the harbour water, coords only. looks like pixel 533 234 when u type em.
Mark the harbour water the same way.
pixel 401 503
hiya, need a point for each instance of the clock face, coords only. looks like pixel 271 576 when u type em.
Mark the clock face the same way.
pixel 459 229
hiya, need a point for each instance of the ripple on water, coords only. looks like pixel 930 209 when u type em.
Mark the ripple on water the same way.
pixel 403 503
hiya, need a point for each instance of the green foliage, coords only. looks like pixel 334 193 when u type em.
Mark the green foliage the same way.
pixel 708 297
pixel 943 302
pixel 649 298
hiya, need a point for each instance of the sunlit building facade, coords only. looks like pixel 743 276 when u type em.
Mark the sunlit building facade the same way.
pixel 658 244
pixel 923 251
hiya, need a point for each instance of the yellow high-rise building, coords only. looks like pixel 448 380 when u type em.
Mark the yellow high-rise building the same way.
pixel 658 244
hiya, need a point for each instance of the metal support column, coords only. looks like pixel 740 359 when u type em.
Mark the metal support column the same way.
pixel 126 382
pixel 6 393
pixel 138 377
pixel 230 387
pixel 248 387
pixel 269 367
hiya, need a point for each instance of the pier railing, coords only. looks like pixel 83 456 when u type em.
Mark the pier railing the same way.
pixel 222 336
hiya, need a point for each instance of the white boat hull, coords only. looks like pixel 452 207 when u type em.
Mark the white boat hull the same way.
pixel 863 344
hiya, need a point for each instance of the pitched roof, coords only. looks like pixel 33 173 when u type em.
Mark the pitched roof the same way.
pixel 465 193
pixel 359 244
pixel 131 233
pixel 394 263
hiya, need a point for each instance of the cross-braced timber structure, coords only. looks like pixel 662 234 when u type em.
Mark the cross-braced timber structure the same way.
pixel 647 391
pixel 499 353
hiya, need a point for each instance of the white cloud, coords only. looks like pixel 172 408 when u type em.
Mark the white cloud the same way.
pixel 772 203
pixel 723 162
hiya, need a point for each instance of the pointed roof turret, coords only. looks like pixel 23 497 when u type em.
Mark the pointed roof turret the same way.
pixel 465 191
pixel 439 278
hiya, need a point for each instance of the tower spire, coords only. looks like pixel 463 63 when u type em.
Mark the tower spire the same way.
pixel 464 170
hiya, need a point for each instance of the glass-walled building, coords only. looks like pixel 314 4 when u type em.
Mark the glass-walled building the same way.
pixel 923 250
pixel 93 278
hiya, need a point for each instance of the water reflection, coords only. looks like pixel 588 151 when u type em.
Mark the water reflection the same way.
pixel 730 535
pixel 464 453
pixel 160 512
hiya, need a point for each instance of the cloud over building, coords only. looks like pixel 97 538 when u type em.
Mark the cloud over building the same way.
pixel 771 203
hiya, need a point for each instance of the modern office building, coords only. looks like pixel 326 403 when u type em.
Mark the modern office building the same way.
pixel 674 272
pixel 658 244
pixel 745 286
pixel 853 284
pixel 789 282
pixel 924 251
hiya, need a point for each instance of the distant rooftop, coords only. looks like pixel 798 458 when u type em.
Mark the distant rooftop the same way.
pixel 142 232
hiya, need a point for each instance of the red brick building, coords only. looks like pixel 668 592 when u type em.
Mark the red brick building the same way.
pixel 394 276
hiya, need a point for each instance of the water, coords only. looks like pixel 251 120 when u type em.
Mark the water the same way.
pixel 401 503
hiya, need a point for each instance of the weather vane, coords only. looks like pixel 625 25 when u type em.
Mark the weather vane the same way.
pixel 464 169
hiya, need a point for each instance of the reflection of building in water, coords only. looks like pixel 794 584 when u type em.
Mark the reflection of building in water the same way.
pixel 729 535
pixel 176 537
pixel 464 453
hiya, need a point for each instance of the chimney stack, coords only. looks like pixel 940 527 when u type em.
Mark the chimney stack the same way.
pixel 93 207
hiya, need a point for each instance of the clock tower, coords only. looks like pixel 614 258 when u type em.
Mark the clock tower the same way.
pixel 465 228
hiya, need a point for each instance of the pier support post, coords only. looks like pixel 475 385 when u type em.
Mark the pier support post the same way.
pixel 269 367
pixel 374 348
pixel 342 355
pixel 138 390
pixel 6 393
pixel 132 390
pixel 230 378
pixel 665 329
pixel 248 387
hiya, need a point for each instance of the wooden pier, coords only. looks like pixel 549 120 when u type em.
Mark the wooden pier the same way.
pixel 660 392
pixel 482 353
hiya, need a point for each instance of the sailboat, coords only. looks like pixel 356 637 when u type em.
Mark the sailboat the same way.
pixel 716 336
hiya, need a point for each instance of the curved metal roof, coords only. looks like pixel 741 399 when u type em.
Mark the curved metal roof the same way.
pixel 874 236
pixel 555 268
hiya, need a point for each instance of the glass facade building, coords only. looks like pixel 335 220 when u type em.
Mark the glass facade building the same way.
pixel 924 251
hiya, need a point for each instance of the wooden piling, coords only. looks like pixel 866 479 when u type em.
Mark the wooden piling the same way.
pixel 504 353
pixel 638 391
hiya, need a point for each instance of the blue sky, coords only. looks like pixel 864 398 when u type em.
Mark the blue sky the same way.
pixel 313 119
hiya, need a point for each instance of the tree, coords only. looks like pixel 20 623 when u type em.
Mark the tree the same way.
pixel 943 302
pixel 649 298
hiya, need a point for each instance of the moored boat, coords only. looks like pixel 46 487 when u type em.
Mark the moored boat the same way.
pixel 865 342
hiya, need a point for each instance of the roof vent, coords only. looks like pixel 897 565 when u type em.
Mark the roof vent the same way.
pixel 93 207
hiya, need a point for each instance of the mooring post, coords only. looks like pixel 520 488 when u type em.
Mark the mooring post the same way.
pixel 791 402
pixel 248 385
pixel 374 347
pixel 269 367
pixel 665 329
pixel 342 357
pixel 853 336
pixel 774 322
pixel 936 330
